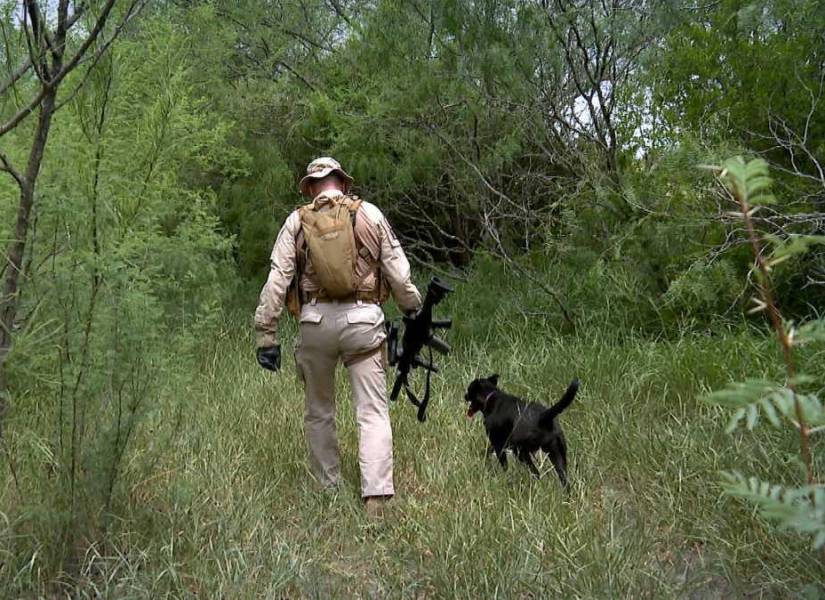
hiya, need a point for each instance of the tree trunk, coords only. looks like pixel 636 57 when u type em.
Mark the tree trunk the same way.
pixel 17 246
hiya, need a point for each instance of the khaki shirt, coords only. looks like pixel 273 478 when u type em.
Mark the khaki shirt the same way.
pixel 374 232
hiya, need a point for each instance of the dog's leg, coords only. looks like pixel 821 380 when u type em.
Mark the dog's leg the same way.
pixel 498 443
pixel 502 457
pixel 557 451
pixel 525 457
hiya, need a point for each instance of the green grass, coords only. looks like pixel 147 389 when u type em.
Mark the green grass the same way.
pixel 216 500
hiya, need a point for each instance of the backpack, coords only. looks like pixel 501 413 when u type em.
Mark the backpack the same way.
pixel 329 237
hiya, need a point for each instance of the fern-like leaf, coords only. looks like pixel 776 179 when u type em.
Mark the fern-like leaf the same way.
pixel 812 331
pixel 754 397
pixel 792 246
pixel 801 509
pixel 750 181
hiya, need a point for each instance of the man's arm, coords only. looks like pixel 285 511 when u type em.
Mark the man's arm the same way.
pixel 396 268
pixel 273 294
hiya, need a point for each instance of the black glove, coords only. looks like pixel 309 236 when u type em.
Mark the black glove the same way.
pixel 269 357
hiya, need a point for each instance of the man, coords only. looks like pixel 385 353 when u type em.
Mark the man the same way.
pixel 335 324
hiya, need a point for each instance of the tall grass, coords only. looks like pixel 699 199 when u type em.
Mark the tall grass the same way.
pixel 217 500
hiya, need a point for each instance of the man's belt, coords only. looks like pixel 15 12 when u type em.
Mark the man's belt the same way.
pixel 368 297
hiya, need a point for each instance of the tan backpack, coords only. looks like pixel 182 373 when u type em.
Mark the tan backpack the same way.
pixel 329 237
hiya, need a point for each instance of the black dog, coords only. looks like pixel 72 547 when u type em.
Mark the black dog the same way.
pixel 524 427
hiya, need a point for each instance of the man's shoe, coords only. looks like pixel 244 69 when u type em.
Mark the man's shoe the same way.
pixel 374 505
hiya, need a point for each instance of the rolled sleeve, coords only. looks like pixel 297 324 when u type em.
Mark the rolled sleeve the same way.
pixel 273 294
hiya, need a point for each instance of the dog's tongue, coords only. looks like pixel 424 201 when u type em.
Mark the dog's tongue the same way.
pixel 470 412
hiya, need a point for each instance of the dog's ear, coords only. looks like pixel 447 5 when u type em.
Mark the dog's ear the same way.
pixel 493 379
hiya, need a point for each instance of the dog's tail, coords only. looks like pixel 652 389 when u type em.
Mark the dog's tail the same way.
pixel 546 418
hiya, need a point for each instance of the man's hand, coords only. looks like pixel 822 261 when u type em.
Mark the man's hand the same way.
pixel 269 357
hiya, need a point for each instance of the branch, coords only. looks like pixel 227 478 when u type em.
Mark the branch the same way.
pixel 303 80
pixel 8 168
pixel 24 112
pixel 51 84
pixel 62 22
pixel 34 46
pixel 95 58
pixel 546 289
pixel 339 10
pixel 501 195
pixel 16 75
pixel 90 39
pixel 740 194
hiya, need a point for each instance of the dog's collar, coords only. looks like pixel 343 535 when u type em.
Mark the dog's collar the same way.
pixel 487 398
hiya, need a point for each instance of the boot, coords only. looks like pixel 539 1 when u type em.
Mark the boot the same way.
pixel 374 505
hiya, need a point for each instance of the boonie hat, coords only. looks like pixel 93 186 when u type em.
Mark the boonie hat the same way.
pixel 320 168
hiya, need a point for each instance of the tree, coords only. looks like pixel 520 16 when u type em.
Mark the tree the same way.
pixel 76 35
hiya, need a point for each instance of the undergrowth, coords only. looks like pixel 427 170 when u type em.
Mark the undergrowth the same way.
pixel 216 499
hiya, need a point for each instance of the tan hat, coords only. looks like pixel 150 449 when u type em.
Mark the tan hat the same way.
pixel 320 168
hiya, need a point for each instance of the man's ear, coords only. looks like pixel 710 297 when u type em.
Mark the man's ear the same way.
pixel 493 379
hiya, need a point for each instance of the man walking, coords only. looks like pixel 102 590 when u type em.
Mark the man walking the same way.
pixel 335 261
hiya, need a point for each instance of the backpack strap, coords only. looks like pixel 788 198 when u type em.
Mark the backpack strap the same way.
pixel 376 271
pixel 294 299
pixel 354 204
pixel 300 242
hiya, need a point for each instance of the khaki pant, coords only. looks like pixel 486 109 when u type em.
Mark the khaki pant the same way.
pixel 330 332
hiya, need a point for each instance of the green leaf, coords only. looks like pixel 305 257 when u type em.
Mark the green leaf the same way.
pixel 754 396
pixel 812 331
pixel 759 185
pixel 750 181
pixel 753 416
pixel 812 410
pixel 796 508
pixel 802 379
pixel 770 412
pixel 741 393
pixel 794 246
pixel 734 420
